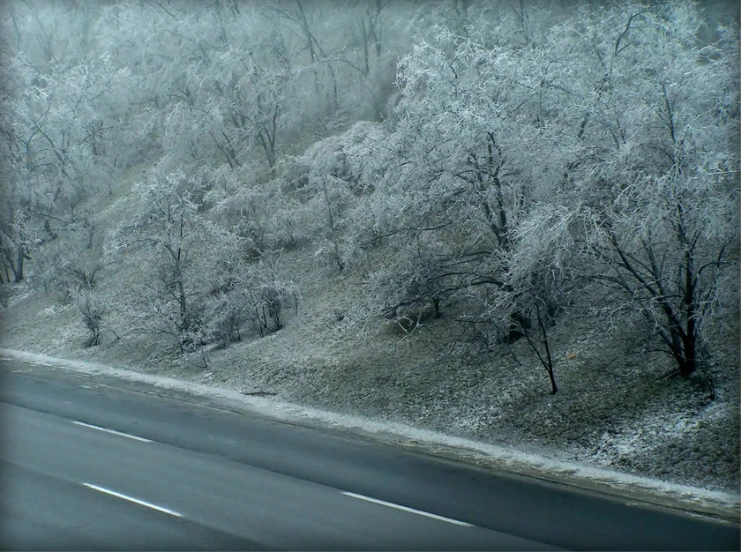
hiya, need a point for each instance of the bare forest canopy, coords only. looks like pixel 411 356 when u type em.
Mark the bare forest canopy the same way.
pixel 482 159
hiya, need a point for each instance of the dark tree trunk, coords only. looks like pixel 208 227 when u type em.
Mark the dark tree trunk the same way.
pixel 688 361
pixel 546 344
pixel 366 64
pixel 19 264
pixel 436 304
pixel 554 387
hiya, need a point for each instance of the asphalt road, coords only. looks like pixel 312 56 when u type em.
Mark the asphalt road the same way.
pixel 86 466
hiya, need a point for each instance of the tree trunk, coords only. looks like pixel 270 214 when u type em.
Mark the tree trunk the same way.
pixel 376 28
pixel 554 387
pixel 19 264
pixel 436 305
pixel 366 64
pixel 688 362
pixel 183 305
pixel 689 340
pixel 546 344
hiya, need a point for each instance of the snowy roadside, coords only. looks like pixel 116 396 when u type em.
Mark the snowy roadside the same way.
pixel 629 488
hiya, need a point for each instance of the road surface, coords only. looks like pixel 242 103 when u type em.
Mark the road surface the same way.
pixel 88 466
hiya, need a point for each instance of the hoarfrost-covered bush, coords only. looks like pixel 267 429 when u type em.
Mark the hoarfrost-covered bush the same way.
pixel 331 180
pixel 176 252
pixel 227 314
pixel 94 311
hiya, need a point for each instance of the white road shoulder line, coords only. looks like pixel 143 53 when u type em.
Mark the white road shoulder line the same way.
pixel 404 508
pixel 113 431
pixel 134 500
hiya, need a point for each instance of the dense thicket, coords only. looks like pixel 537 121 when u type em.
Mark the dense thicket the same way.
pixel 500 154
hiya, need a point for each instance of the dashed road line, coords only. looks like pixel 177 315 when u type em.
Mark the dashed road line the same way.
pixel 114 432
pixel 406 509
pixel 134 500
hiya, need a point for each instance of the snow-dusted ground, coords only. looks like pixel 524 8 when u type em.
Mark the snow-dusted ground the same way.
pixel 511 459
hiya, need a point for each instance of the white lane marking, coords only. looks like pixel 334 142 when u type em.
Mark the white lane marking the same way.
pixel 120 434
pixel 134 500
pixel 412 510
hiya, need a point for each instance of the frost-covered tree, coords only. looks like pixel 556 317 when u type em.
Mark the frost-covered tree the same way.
pixel 193 278
pixel 330 178
pixel 71 260
pixel 537 284
pixel 94 311
pixel 657 182
pixel 57 127
pixel 271 300
pixel 174 250
pixel 249 296
pixel 258 213
pixel 460 167
pixel 622 119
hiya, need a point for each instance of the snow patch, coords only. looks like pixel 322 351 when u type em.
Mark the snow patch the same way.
pixel 51 310
pixel 655 429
